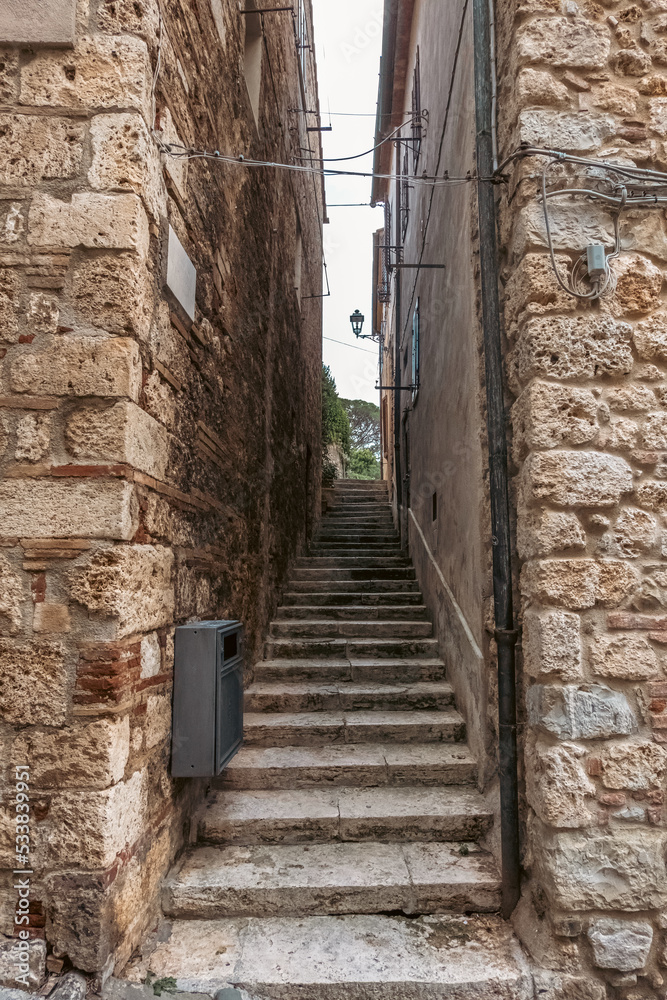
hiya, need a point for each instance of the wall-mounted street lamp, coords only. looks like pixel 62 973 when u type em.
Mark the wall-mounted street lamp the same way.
pixel 357 321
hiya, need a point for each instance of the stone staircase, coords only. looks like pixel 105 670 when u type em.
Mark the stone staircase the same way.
pixel 338 854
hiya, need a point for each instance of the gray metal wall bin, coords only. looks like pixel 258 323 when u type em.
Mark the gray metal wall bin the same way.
pixel 208 698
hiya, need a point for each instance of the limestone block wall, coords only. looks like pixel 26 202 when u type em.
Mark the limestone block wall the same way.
pixel 589 445
pixel 152 471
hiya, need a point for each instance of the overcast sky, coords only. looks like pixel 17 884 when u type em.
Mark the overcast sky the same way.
pixel 348 35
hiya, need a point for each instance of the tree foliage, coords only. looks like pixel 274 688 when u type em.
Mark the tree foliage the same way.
pixel 335 423
pixel 363 464
pixel 364 420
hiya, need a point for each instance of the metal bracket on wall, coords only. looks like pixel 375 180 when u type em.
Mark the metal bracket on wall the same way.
pixel 326 294
pixel 420 266
pixel 393 388
pixel 266 10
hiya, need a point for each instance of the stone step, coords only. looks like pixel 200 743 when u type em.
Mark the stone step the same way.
pixel 361 485
pixel 374 573
pixel 357 526
pixel 318 815
pixel 281 729
pixel 380 671
pixel 354 497
pixel 353 586
pixel 363 561
pixel 351 501
pixel 369 511
pixel 348 957
pixel 330 628
pixel 350 649
pixel 366 507
pixel 404 599
pixel 309 696
pixel 340 536
pixel 351 550
pixel 352 764
pixel 308 879
pixel 352 612
pixel 355 522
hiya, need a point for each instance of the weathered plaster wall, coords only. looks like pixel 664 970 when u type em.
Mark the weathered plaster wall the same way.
pixel 151 472
pixel 589 446
pixel 443 440
pixel 444 422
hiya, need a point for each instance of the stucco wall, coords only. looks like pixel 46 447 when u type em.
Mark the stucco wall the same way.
pixel 444 422
pixel 152 472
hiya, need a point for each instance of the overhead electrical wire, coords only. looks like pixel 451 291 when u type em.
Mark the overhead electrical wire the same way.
pixel 340 114
pixel 629 187
pixel 352 346
pixel 180 152
pixel 165 148
pixel 641 187
pixel 389 138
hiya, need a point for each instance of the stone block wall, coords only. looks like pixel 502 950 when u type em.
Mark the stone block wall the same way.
pixel 589 440
pixel 152 471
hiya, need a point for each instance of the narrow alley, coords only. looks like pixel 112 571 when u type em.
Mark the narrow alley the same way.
pixel 333 500
pixel 353 797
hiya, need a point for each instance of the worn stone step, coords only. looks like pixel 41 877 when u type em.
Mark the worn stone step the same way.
pixel 376 513
pixel 329 628
pixel 358 497
pixel 357 522
pixel 306 879
pixel 321 728
pixel 341 536
pixel 352 612
pixel 317 815
pixel 357 540
pixel 343 554
pixel 375 573
pixel 363 561
pixel 311 696
pixel 405 671
pixel 349 648
pixel 343 599
pixel 348 957
pixel 371 532
pixel 352 764
pixel 371 508
pixel 361 485
pixel 353 586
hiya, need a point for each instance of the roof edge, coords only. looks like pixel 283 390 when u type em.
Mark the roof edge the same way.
pixel 396 34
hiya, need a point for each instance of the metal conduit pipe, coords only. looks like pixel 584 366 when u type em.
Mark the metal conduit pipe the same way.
pixel 505 632
pixel 397 367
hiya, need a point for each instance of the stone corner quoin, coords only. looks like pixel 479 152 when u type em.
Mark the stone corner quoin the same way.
pixel 589 451
pixel 132 429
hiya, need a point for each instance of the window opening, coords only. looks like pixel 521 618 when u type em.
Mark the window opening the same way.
pixel 416 114
pixel 252 59
pixel 298 263
pixel 415 350
pixel 384 292
pixel 434 507
pixel 301 31
pixel 405 192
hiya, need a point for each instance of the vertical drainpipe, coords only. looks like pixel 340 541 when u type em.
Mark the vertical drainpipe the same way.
pixel 397 363
pixel 505 632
